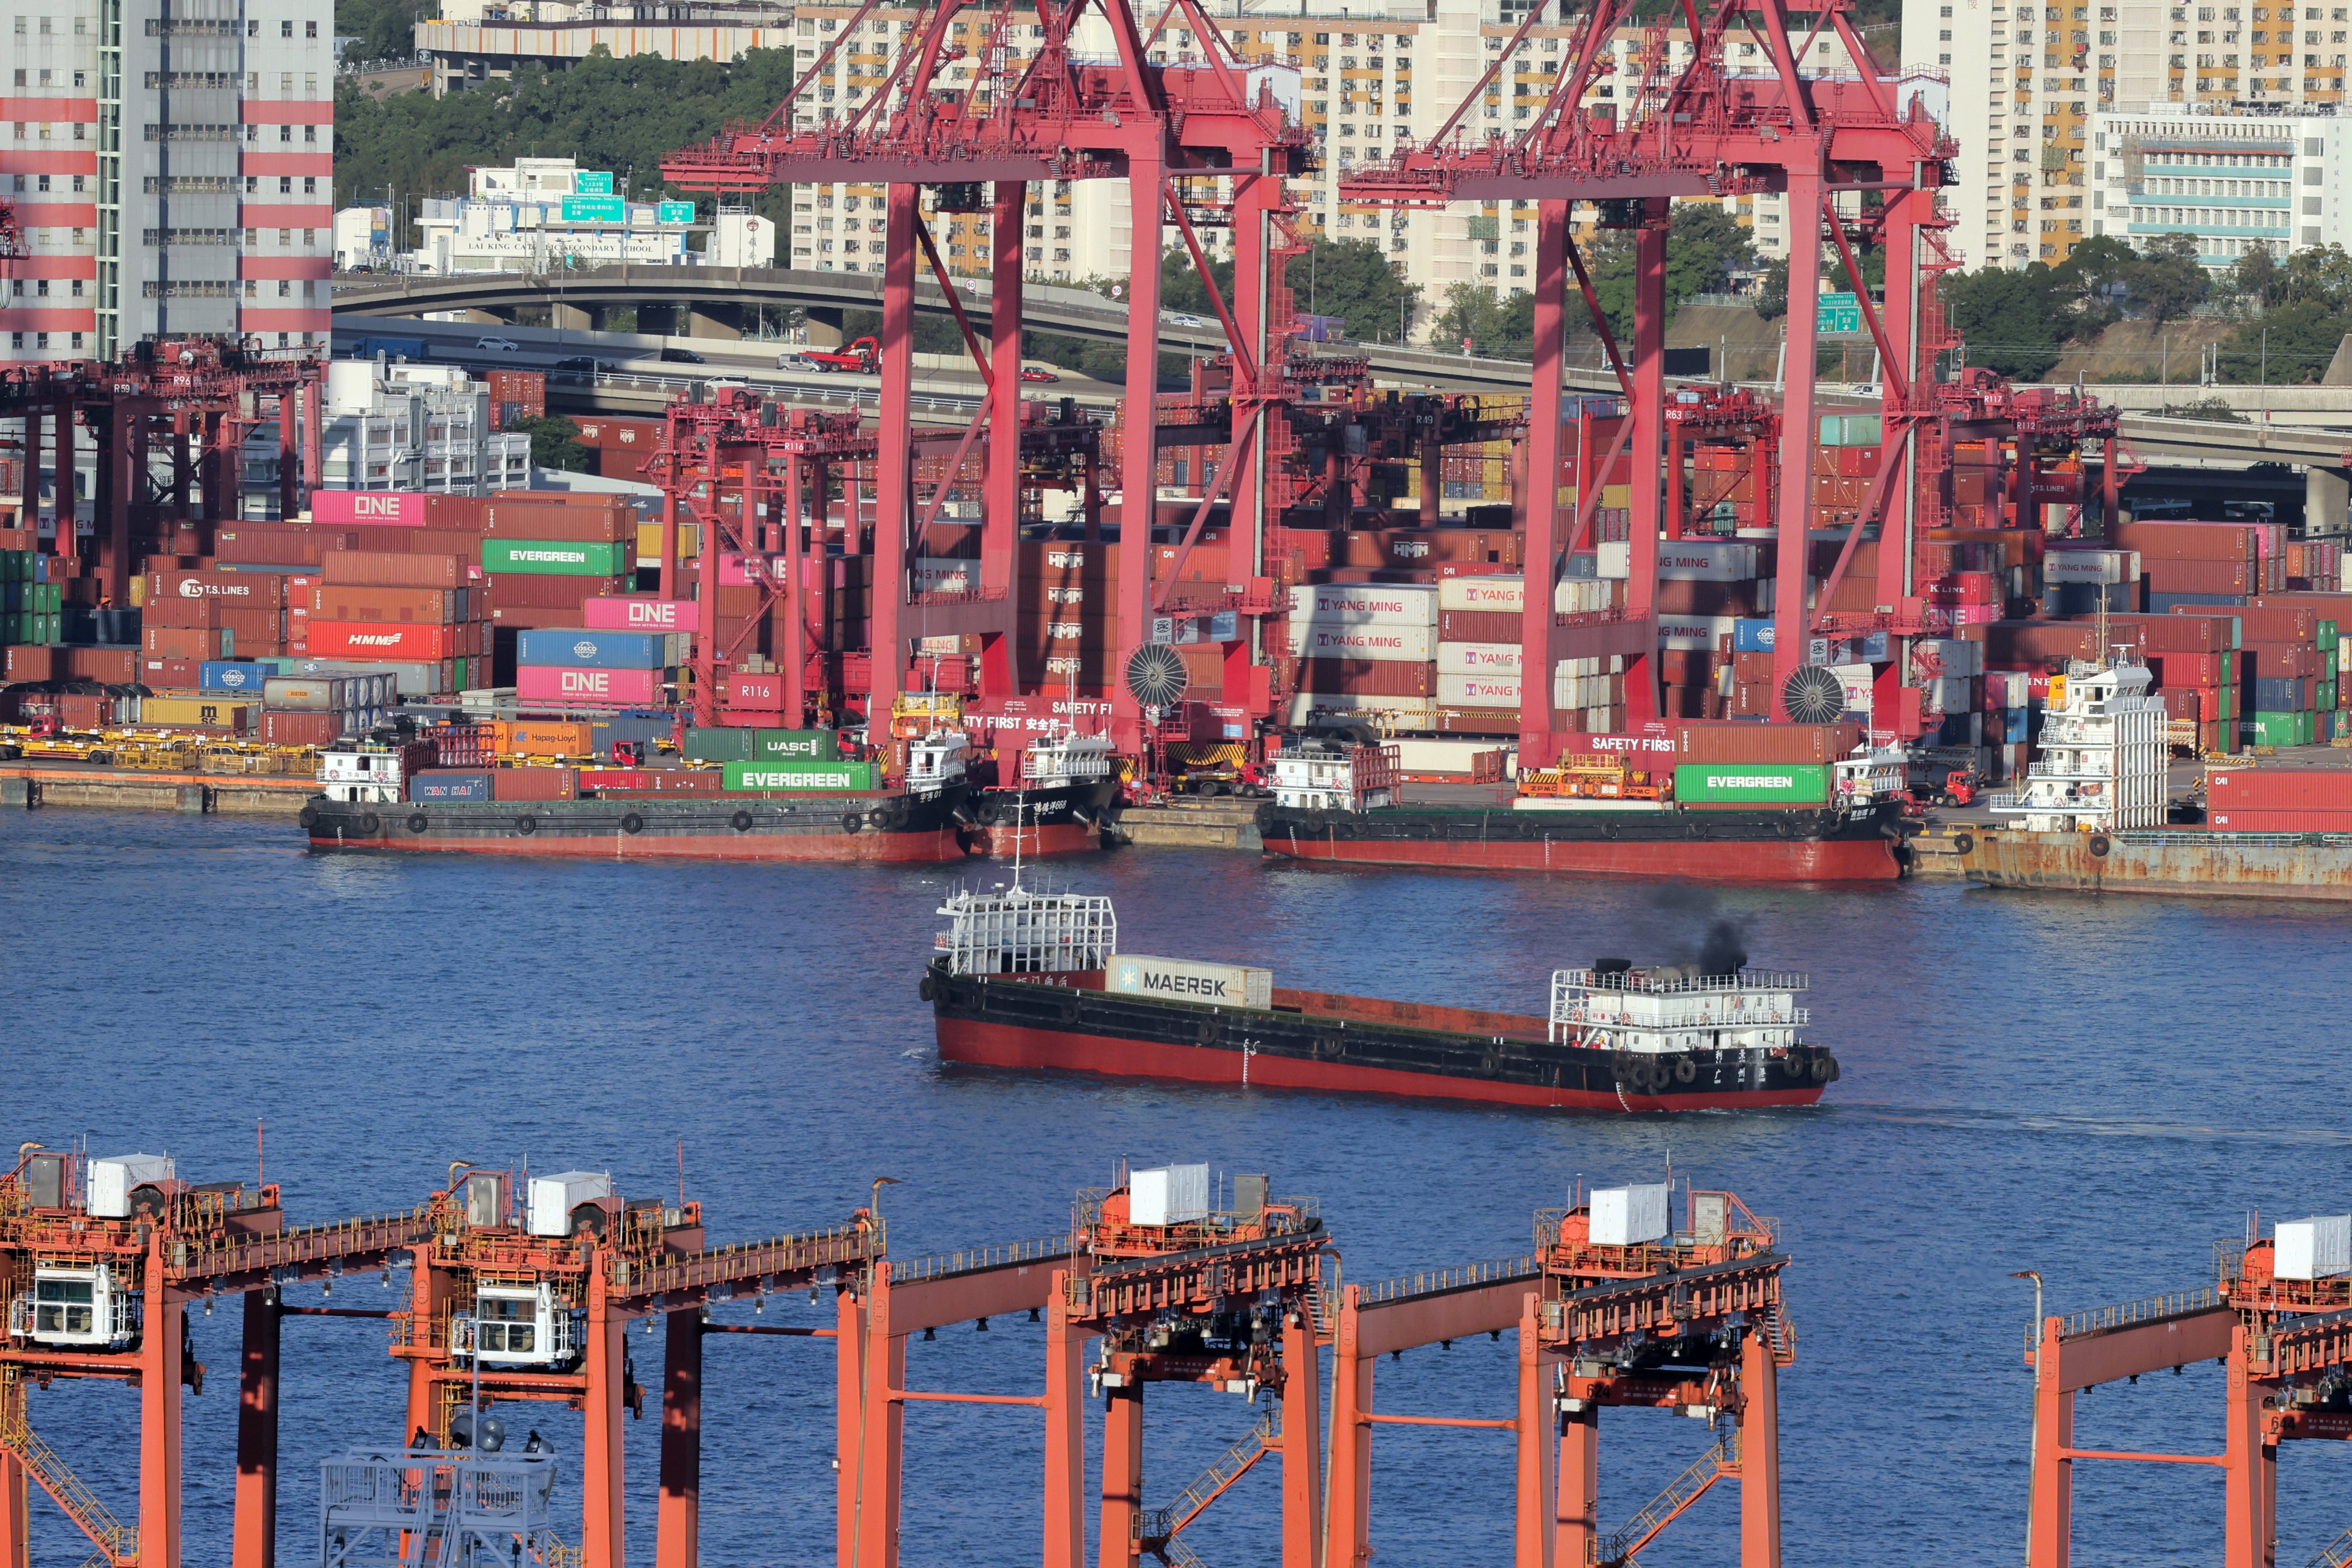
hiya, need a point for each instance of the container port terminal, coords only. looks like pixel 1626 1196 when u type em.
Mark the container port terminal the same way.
pixel 1674 627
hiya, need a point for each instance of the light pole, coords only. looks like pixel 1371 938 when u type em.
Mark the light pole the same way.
pixel 2034 1455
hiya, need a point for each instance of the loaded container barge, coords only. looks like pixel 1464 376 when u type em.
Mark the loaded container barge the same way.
pixel 1035 981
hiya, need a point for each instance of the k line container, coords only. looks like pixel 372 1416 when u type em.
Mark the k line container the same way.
pixel 1183 980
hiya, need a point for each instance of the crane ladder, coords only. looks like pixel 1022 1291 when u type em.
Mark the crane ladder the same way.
pixel 118 1544
pixel 2336 1553
pixel 1159 1528
pixel 1620 1548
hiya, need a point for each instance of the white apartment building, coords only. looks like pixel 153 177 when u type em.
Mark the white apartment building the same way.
pixel 2233 179
pixel 472 42
pixel 171 169
pixel 414 428
pixel 545 214
pixel 2029 80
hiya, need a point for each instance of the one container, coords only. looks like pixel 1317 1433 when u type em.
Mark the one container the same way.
pixel 1761 783
pixel 553 557
pixel 634 612
pixel 555 1199
pixel 1628 1216
pixel 1184 980
pixel 112 1179
pixel 586 688
pixel 802 774
pixel 2316 1248
pixel 593 649
pixel 450 784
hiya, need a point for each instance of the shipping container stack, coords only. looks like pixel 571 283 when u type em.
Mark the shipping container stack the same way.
pixel 2278 800
pixel 416 616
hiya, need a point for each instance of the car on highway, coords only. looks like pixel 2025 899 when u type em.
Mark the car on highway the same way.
pixel 1030 372
pixel 581 364
pixel 495 345
pixel 1179 319
pixel 796 361
pixel 680 356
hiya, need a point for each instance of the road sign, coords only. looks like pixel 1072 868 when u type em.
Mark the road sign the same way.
pixel 1838 313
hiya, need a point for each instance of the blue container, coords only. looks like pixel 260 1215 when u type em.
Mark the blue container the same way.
pixel 2163 604
pixel 233 675
pixel 2013 725
pixel 2277 694
pixel 592 650
pixel 444 785
pixel 1751 637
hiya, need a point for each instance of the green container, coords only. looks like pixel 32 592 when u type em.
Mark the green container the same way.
pixel 1761 783
pixel 555 557
pixel 718 745
pixel 1850 430
pixel 796 772
pixel 2326 639
pixel 815 745
pixel 49 629
pixel 49 598
pixel 2263 728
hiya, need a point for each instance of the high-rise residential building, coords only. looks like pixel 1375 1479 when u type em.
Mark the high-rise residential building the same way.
pixel 2233 180
pixel 171 166
pixel 2029 80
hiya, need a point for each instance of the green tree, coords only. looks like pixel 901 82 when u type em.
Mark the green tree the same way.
pixel 1703 246
pixel 2319 276
pixel 2011 319
pixel 1772 294
pixel 2170 282
pixel 1494 328
pixel 554 442
pixel 1351 279
pixel 379 29
pixel 2257 273
pixel 2291 346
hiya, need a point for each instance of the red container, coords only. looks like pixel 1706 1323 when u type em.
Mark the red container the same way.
pixel 281 727
pixel 2276 623
pixel 2186 542
pixel 186 642
pixel 615 778
pixel 587 688
pixel 182 613
pixel 384 569
pixel 2234 820
pixel 33 661
pixel 1367 677
pixel 273 546
pixel 387 640
pixel 170 674
pixel 2186 670
pixel 251 630
pixel 534 591
pixel 1730 741
pixel 243 590
pixel 577 524
pixel 534 784
pixel 2280 789
pixel 107 665
pixel 2184 631
pixel 428 607
pixel 2200 576
pixel 1478 626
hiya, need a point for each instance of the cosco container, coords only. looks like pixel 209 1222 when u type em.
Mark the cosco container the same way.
pixel 594 650
pixel 554 557
pixel 1761 783
pixel 1183 980
pixel 802 774
pixel 229 675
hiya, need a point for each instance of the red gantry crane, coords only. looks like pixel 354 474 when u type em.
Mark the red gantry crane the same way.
pixel 1039 111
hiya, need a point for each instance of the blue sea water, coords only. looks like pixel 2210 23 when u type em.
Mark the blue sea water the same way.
pixel 2096 1089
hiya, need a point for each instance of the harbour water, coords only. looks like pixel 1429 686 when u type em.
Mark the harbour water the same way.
pixel 2097 1089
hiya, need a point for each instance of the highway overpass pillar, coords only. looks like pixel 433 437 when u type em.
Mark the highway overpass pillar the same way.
pixel 576 318
pixel 825 326
pixel 713 319
pixel 2326 500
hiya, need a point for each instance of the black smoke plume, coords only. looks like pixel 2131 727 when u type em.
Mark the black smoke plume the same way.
pixel 1723 952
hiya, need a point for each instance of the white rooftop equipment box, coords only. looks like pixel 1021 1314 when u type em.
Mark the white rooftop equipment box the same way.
pixel 1171 1194
pixel 1627 1216
pixel 2319 1247
pixel 552 1198
pixel 110 1181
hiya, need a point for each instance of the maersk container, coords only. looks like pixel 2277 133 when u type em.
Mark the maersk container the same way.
pixel 802 774
pixel 557 557
pixel 112 1181
pixel 1628 1216
pixel 2316 1248
pixel 556 1199
pixel 1760 783
pixel 1182 979
pixel 594 650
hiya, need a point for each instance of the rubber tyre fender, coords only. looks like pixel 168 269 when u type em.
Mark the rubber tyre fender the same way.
pixel 1207 1030
pixel 987 813
pixel 928 991
pixel 1964 843
pixel 1824 1068
pixel 370 824
pixel 417 823
pixel 1315 823
pixel 308 816
pixel 878 818
pixel 740 822
pixel 526 825
pixel 1070 1010
pixel 1654 1076
pixel 1685 1070
pixel 851 822
pixel 899 811
pixel 2099 845
pixel 632 823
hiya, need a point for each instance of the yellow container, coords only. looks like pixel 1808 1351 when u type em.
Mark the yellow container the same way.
pixel 138 590
pixel 689 540
pixel 512 738
pixel 207 712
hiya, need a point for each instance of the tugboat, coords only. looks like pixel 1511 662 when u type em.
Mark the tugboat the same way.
pixel 1034 980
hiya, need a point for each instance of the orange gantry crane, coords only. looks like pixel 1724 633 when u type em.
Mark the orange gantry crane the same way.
pixel 1615 1307
pixel 2278 1318
pixel 99 1261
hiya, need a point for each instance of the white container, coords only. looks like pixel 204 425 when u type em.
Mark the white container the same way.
pixel 1859 682
pixel 1478 658
pixel 1365 603
pixel 1682 560
pixel 2097 566
pixel 552 1198
pixel 1448 754
pixel 1394 641
pixel 110 1181
pixel 935 574
pixel 1406 712
pixel 1703 633
pixel 1168 1194
pixel 1627 1216
pixel 1488 595
pixel 1477 691
pixel 1579 596
pixel 2316 1248
pixel 1183 980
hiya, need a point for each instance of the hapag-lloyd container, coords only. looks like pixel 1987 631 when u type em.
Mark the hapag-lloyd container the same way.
pixel 1413 644
pixel 1185 980
pixel 632 612
pixel 598 688
pixel 595 650
pixel 1389 605
pixel 1478 658
pixel 802 774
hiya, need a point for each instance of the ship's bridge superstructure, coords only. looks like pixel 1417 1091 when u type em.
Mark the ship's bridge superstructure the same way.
pixel 1657 1011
